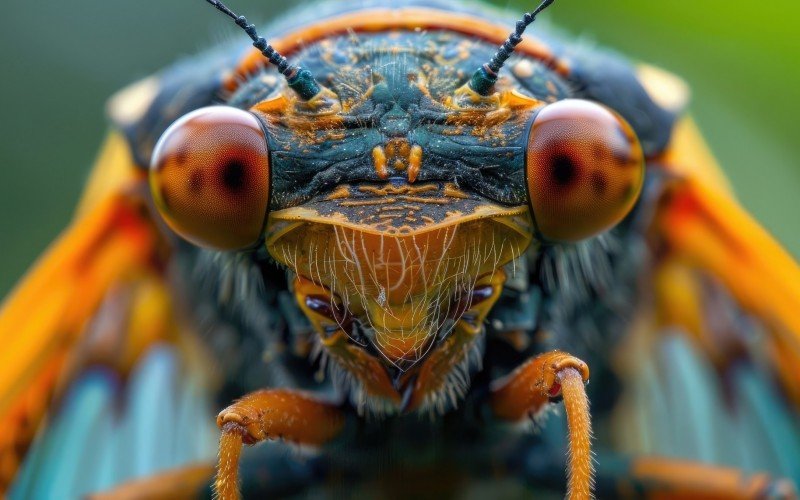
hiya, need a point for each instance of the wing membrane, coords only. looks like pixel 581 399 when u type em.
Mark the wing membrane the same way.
pixel 705 227
pixel 112 241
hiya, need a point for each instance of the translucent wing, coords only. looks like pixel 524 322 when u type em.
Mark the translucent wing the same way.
pixel 706 231
pixel 96 363
pixel 713 364
pixel 99 369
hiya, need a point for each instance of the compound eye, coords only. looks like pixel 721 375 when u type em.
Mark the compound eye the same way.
pixel 210 177
pixel 584 169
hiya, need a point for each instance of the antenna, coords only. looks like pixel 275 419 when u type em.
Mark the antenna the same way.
pixel 484 78
pixel 300 80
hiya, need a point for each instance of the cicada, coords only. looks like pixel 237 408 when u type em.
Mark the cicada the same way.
pixel 391 240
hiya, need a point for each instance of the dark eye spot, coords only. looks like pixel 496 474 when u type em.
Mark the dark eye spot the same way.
pixel 182 155
pixel 233 175
pixel 196 181
pixel 563 170
pixel 597 152
pixel 622 158
pixel 599 183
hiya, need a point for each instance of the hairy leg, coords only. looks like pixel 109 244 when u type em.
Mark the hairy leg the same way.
pixel 623 476
pixel 663 477
pixel 529 388
pixel 270 414
pixel 183 483
pixel 266 472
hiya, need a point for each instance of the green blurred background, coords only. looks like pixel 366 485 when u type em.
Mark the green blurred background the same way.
pixel 61 60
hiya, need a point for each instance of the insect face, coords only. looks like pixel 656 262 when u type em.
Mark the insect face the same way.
pixel 392 237
pixel 398 193
pixel 396 204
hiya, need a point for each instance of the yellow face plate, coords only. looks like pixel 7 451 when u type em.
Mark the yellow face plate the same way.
pixel 403 276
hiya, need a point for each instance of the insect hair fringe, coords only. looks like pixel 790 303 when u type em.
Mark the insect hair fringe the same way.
pixel 457 381
pixel 236 283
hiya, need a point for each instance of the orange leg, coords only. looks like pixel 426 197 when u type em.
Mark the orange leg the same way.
pixel 177 484
pixel 657 478
pixel 270 414
pixel 530 387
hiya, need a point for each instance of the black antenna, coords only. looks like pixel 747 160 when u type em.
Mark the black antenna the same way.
pixel 300 80
pixel 484 78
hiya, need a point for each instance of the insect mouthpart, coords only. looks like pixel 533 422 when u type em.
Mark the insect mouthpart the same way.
pixel 397 271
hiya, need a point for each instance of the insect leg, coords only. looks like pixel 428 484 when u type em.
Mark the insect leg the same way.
pixel 655 476
pixel 288 474
pixel 185 482
pixel 270 414
pixel 532 386
pixel 626 476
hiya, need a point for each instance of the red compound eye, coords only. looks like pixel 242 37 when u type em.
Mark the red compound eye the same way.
pixel 210 177
pixel 584 168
